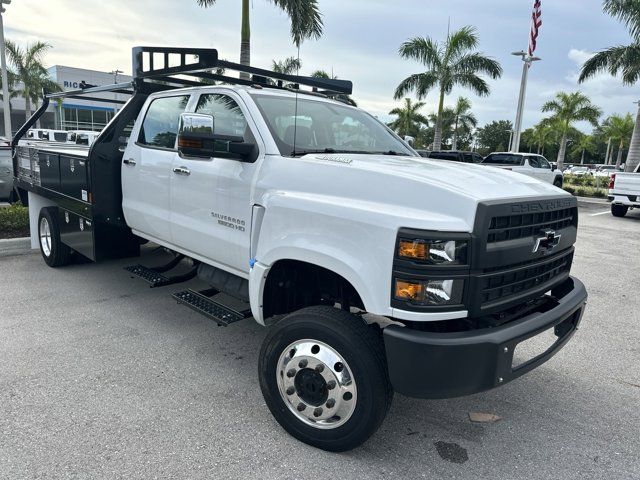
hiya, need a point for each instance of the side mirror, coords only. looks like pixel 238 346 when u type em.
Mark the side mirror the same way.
pixel 553 168
pixel 195 135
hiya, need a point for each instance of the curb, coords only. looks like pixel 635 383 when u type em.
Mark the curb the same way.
pixel 15 246
pixel 597 201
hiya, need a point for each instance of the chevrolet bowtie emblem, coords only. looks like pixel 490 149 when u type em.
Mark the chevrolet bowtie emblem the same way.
pixel 547 241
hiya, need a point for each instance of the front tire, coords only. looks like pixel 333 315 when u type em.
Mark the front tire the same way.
pixel 323 375
pixel 54 252
pixel 619 210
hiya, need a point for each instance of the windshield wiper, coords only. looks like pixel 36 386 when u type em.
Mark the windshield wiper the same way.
pixel 300 153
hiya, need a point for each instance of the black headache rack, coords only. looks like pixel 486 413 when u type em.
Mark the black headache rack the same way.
pixel 85 184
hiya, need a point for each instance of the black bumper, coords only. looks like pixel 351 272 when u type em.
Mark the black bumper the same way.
pixel 445 365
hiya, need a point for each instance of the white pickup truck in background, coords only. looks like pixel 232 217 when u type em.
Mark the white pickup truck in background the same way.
pixel 530 164
pixel 624 192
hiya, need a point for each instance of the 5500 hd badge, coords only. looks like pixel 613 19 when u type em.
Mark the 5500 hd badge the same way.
pixel 227 221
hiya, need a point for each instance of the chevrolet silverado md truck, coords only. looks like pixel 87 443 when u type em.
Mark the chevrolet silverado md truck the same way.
pixel 375 270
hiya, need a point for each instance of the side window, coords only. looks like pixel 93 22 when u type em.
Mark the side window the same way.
pixel 544 163
pixel 160 125
pixel 227 117
pixel 533 162
pixel 477 158
pixel 468 157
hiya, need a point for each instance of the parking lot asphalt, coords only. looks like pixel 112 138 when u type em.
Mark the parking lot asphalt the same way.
pixel 103 377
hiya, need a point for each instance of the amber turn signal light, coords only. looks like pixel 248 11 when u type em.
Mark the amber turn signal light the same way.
pixel 409 290
pixel 413 249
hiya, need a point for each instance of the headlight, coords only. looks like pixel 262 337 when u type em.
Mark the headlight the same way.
pixel 430 292
pixel 433 252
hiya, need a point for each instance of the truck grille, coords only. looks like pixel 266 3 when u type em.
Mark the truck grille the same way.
pixel 500 285
pixel 512 227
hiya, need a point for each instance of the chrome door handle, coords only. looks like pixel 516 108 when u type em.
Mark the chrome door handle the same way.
pixel 182 171
pixel 129 161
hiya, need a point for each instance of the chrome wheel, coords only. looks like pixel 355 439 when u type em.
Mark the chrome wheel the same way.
pixel 45 236
pixel 316 384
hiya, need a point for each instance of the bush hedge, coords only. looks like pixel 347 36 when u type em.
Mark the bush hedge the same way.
pixel 14 219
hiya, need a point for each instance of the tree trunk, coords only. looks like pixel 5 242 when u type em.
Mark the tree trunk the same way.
pixel 437 136
pixel 633 157
pixel 454 145
pixel 27 108
pixel 245 39
pixel 562 152
pixel 606 157
pixel 619 159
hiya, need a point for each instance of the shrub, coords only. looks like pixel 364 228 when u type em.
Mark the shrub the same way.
pixel 14 217
pixel 569 188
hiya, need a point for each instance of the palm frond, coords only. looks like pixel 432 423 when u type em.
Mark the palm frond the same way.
pixel 628 12
pixel 306 19
pixel 422 49
pixel 472 81
pixel 461 41
pixel 478 63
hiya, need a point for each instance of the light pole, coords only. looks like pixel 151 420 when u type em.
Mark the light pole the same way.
pixel 510 138
pixel 5 78
pixel 527 61
pixel 115 74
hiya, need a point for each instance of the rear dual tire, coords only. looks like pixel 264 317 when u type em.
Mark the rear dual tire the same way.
pixel 323 375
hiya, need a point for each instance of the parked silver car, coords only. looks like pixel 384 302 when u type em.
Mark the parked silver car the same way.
pixel 6 173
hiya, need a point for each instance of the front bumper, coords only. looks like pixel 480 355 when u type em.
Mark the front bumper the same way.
pixel 444 365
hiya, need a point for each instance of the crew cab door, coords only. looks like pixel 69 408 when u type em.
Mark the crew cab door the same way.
pixel 211 203
pixel 539 169
pixel 146 168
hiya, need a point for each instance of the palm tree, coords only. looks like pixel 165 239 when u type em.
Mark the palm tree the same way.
pixel 568 108
pixel 463 119
pixel 30 71
pixel 306 22
pixel 13 93
pixel 541 133
pixel 582 146
pixel 452 63
pixel 620 128
pixel 409 118
pixel 287 66
pixel 621 59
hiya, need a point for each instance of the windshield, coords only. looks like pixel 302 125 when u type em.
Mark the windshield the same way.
pixel 321 126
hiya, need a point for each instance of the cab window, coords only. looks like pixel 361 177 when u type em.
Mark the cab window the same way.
pixel 227 117
pixel 544 163
pixel 534 162
pixel 160 125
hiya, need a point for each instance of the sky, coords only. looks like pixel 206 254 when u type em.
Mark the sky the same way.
pixel 360 42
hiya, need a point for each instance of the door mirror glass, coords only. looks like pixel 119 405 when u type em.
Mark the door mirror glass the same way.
pixel 195 135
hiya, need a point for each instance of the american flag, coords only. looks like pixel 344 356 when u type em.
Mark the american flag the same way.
pixel 536 23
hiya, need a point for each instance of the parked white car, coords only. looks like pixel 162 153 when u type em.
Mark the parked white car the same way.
pixel 47 135
pixel 605 171
pixel 580 171
pixel 530 164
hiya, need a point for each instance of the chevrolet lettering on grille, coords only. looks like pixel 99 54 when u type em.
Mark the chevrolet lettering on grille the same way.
pixel 546 242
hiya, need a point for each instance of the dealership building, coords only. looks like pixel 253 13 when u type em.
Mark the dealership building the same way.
pixel 73 114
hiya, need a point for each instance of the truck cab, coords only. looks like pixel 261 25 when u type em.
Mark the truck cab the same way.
pixel 375 270
pixel 530 164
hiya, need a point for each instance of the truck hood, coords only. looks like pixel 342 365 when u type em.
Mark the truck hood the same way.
pixel 406 191
pixel 479 182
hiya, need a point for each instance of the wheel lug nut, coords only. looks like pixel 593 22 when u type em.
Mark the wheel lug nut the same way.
pixel 301 407
pixel 291 373
pixel 317 412
pixel 303 363
pixel 291 391
pixel 330 403
pixel 320 368
pixel 331 384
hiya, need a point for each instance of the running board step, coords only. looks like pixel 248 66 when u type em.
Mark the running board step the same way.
pixel 216 311
pixel 155 277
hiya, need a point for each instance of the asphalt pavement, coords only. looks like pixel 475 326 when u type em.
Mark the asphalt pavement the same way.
pixel 103 377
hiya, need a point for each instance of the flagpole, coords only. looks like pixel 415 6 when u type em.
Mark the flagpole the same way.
pixel 527 59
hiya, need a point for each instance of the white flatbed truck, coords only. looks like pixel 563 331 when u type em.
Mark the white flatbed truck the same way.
pixel 375 270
